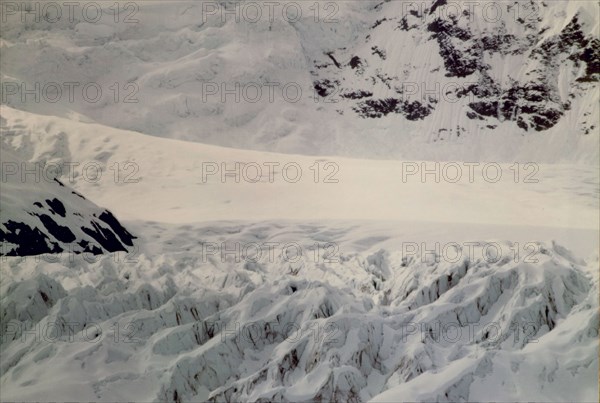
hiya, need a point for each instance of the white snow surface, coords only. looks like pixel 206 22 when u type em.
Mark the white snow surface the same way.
pixel 174 323
pixel 163 63
pixel 213 304
pixel 183 318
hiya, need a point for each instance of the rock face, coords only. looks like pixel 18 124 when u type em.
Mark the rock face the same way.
pixel 42 215
pixel 524 61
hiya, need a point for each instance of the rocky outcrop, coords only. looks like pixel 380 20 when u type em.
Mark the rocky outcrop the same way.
pixel 41 215
pixel 467 68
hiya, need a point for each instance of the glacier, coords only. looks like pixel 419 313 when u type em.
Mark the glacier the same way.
pixel 363 201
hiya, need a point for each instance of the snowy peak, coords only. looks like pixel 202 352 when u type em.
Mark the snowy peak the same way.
pixel 40 214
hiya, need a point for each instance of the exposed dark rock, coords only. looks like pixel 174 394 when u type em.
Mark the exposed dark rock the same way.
pixel 56 206
pixel 61 233
pixel 436 4
pixel 325 87
pixel 591 56
pixel 358 94
pixel 104 237
pixel 533 102
pixel 355 62
pixel 337 64
pixel 377 108
pixel 379 52
pixel 52 220
pixel 89 248
pixel 117 228
pixel 378 22
pixel 28 241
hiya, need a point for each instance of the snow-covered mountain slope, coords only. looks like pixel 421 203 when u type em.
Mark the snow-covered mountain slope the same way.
pixel 474 68
pixel 153 179
pixel 284 303
pixel 365 322
pixel 421 224
pixel 485 81
pixel 39 214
